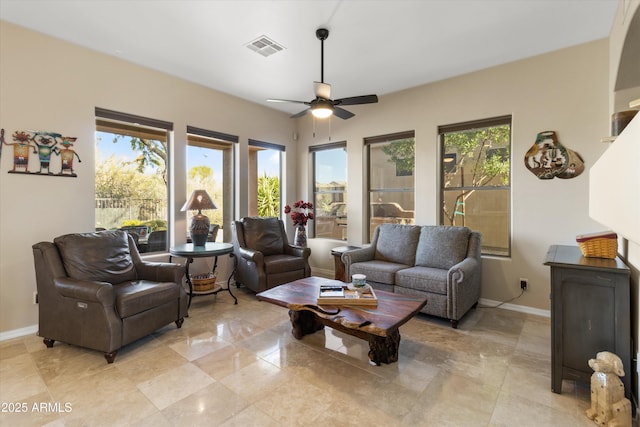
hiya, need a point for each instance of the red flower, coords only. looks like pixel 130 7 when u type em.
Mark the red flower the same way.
pixel 300 213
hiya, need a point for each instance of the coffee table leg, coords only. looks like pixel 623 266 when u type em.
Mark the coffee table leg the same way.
pixel 384 349
pixel 304 322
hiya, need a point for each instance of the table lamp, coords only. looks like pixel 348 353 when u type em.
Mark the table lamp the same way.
pixel 199 229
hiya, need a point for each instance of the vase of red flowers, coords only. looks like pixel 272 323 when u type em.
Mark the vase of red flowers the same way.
pixel 300 214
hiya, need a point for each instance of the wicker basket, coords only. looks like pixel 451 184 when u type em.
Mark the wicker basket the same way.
pixel 203 282
pixel 599 245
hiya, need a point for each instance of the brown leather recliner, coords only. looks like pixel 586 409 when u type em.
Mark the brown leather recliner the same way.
pixel 265 257
pixel 95 291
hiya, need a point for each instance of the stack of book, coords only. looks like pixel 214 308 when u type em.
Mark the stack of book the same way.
pixel 339 295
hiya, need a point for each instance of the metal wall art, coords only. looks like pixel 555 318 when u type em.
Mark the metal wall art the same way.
pixel 548 158
pixel 45 145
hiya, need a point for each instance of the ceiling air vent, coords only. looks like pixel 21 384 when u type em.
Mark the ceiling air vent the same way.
pixel 264 46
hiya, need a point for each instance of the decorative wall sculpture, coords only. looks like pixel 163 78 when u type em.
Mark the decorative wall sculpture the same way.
pixel 44 145
pixel 548 158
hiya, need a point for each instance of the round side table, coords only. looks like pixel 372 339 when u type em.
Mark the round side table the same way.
pixel 210 249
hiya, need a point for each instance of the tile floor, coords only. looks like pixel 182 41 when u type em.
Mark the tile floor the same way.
pixel 239 365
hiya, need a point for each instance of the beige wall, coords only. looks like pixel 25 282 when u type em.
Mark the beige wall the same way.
pixel 565 91
pixel 50 85
pixel 624 154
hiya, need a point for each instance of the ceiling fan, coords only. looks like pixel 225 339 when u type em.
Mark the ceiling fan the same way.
pixel 323 106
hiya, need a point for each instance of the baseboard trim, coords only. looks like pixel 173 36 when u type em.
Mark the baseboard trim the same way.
pixel 515 307
pixel 322 272
pixel 16 333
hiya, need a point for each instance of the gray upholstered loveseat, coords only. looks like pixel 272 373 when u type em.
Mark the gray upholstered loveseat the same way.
pixel 440 262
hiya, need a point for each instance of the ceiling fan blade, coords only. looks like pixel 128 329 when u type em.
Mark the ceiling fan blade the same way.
pixel 342 113
pixel 355 100
pixel 322 90
pixel 300 114
pixel 287 100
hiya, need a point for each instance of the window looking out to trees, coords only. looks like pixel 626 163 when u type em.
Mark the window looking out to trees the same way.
pixel 265 161
pixel 391 163
pixel 475 175
pixel 131 177
pixel 210 168
pixel 330 190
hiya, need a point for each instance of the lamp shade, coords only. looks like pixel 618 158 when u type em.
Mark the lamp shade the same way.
pixel 199 228
pixel 199 200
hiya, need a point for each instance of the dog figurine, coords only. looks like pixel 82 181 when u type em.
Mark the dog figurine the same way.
pixel 609 407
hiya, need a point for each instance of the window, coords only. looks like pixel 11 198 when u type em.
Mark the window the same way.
pixel 210 168
pixel 475 180
pixel 391 162
pixel 330 190
pixel 131 177
pixel 265 178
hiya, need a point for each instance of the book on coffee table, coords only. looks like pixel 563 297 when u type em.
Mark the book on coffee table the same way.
pixel 342 296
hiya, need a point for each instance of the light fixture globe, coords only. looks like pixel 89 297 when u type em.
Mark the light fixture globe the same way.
pixel 199 228
pixel 322 109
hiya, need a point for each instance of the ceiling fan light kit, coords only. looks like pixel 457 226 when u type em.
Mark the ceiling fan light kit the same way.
pixel 322 109
pixel 322 106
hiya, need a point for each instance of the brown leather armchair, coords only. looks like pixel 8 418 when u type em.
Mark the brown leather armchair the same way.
pixel 95 291
pixel 265 257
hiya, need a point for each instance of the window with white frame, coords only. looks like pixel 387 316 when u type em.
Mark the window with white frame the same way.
pixel 475 166
pixel 131 178
pixel 330 190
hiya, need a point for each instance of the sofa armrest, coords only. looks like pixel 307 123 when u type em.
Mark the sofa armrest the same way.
pixel 101 292
pixel 463 272
pixel 160 271
pixel 463 286
pixel 357 255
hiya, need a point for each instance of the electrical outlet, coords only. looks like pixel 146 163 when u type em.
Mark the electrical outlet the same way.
pixel 524 284
pixel 35 297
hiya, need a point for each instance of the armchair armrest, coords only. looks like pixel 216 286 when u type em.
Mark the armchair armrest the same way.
pixel 101 292
pixel 160 271
pixel 251 255
pixel 297 251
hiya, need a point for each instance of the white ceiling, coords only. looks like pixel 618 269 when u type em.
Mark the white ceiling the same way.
pixel 374 46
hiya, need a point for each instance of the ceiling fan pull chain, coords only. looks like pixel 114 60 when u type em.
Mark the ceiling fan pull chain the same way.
pixel 314 126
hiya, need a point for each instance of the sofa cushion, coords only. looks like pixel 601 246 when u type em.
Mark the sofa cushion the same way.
pixel 141 295
pixel 101 256
pixel 426 279
pixel 263 235
pixel 377 271
pixel 397 243
pixel 442 246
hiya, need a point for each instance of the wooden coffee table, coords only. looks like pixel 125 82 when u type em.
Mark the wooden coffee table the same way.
pixel 377 325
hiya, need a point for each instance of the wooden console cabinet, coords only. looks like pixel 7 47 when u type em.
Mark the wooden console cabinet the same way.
pixel 590 312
